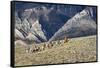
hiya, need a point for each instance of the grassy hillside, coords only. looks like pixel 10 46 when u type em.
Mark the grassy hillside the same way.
pixel 82 49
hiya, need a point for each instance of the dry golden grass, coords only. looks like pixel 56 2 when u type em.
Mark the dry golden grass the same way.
pixel 81 49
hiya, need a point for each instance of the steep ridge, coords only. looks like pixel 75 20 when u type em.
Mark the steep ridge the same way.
pixel 80 25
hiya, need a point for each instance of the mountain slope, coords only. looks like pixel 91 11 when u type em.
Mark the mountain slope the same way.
pixel 49 16
pixel 43 21
pixel 80 25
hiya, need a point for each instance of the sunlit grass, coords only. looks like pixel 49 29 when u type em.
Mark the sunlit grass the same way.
pixel 81 49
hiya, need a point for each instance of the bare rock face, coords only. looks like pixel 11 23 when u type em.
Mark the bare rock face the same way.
pixel 28 29
pixel 18 34
pixel 37 30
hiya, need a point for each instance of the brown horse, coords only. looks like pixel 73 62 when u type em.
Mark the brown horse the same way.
pixel 66 39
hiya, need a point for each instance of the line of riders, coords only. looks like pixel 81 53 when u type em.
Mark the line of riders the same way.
pixel 36 47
